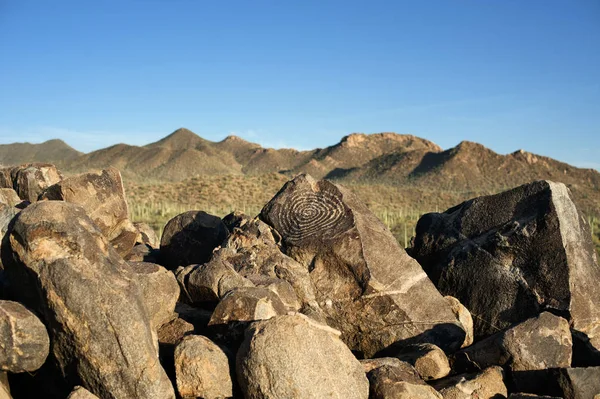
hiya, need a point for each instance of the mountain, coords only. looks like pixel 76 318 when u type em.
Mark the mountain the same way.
pixel 383 158
pixel 52 151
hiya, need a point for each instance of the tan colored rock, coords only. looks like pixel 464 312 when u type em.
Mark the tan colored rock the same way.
pixel 365 283
pixel 429 360
pixel 486 384
pixel 309 361
pixel 9 197
pixel 25 342
pixel 81 393
pixel 539 343
pixel 32 179
pixel 464 316
pixel 63 267
pixel 4 386
pixel 147 235
pixel 202 369
pixel 248 304
pixel 281 288
pixel 530 396
pixel 159 289
pixel 102 196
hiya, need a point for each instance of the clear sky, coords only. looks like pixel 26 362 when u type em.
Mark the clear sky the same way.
pixel 509 74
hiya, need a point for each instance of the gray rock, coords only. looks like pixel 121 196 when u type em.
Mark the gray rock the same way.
pixel 539 343
pixel 62 266
pixel 190 238
pixel 81 393
pixel 429 360
pixel 529 246
pixel 580 382
pixel 464 316
pixel 295 357
pixel 392 378
pixel 31 179
pixel 247 304
pixel 159 289
pixel 211 281
pixel 486 384
pixel 102 196
pixel 25 342
pixel 202 369
pixel 9 197
pixel 367 286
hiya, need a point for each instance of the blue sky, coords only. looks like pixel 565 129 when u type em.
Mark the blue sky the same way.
pixel 509 74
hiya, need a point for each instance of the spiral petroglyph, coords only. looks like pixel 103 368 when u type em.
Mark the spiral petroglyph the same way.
pixel 311 213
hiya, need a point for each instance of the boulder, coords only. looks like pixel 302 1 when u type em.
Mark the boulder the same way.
pixel 530 396
pixel 529 246
pixel 429 360
pixel 143 253
pixel 62 266
pixel 392 378
pixel 464 316
pixel 4 386
pixel 190 238
pixel 235 219
pixel 102 196
pixel 6 178
pixel 7 214
pixel 309 361
pixel 247 304
pixel 31 179
pixel 81 393
pixel 539 343
pixel 159 289
pixel 146 235
pixel 580 382
pixel 211 281
pixel 365 283
pixel 486 384
pixel 25 342
pixel 202 369
pixel 282 288
pixel 9 197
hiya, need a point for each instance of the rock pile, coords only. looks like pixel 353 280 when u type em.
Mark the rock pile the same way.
pixel 497 297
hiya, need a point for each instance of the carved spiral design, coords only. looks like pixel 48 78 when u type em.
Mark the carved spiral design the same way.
pixel 313 215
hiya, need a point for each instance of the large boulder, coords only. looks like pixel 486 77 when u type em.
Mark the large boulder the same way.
pixel 102 196
pixel 539 343
pixel 9 197
pixel 202 369
pixel 295 357
pixel 248 304
pixel 580 382
pixel 367 286
pixel 190 238
pixel 64 268
pixel 25 343
pixel 31 179
pixel 529 246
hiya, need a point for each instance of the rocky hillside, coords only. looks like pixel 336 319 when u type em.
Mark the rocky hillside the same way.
pixel 384 158
pixel 52 151
pixel 495 298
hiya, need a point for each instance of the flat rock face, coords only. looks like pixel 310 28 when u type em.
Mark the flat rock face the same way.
pixel 9 197
pixel 81 393
pixel 580 382
pixel 202 369
pixel 62 266
pixel 367 286
pixel 309 362
pixel 248 304
pixel 539 343
pixel 25 343
pixel 103 197
pixel 190 238
pixel 529 246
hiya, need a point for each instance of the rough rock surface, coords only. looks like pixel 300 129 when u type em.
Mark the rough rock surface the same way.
pixel 282 288
pixel 159 289
pixel 393 378
pixel 486 384
pixel 190 238
pixel 248 304
pixel 529 246
pixel 539 343
pixel 31 179
pixel 580 382
pixel 24 342
pixel 529 396
pixel 64 268
pixel 429 360
pixel 147 235
pixel 4 387
pixel 310 362
pixel 202 369
pixel 9 197
pixel 465 318
pixel 211 281
pixel 81 393
pixel 367 286
pixel 102 196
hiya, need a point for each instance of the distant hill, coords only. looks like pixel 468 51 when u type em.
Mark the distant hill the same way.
pixel 383 158
pixel 52 151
